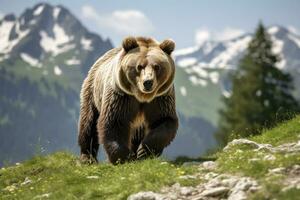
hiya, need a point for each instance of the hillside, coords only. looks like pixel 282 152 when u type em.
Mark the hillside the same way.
pixel 261 167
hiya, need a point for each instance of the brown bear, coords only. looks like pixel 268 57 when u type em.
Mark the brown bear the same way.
pixel 128 102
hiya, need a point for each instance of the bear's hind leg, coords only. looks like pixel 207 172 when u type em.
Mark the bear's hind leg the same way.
pixel 88 136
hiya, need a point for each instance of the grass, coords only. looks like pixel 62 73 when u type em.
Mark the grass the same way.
pixel 286 132
pixel 59 175
pixel 241 159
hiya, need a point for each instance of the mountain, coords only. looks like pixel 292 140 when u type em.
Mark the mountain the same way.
pixel 49 39
pixel 44 55
pixel 203 70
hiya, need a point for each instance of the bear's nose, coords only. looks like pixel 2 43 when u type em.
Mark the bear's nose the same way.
pixel 148 84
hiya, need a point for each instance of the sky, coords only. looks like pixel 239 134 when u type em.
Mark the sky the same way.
pixel 187 22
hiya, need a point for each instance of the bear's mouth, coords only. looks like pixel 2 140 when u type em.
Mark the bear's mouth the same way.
pixel 147 87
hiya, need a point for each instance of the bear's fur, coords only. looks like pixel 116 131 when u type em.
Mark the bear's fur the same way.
pixel 128 102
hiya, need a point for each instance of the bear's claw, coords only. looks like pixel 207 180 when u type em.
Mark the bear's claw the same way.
pixel 87 159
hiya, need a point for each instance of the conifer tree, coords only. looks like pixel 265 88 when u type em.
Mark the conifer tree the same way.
pixel 261 93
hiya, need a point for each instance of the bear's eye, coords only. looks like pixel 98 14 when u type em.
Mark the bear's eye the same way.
pixel 139 67
pixel 156 67
pixel 132 70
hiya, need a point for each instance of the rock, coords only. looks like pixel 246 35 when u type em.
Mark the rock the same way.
pixel 191 163
pixel 244 184
pixel 237 195
pixel 188 177
pixel 229 182
pixel 210 175
pixel 146 196
pixel 278 170
pixel 250 144
pixel 293 178
pixel 26 181
pixel 176 186
pixel 46 195
pixel 186 191
pixel 295 170
pixel 92 177
pixel 289 147
pixel 269 157
pixel 10 188
pixel 254 159
pixel 240 142
pixel 213 192
pixel 209 165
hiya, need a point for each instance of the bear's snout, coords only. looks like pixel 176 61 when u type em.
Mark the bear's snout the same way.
pixel 148 85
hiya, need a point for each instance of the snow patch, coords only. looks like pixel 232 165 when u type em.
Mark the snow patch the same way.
pixel 30 60
pixel 32 22
pixel 38 10
pixel 214 77
pixel 183 91
pixel 73 61
pixel 5 44
pixel 233 49
pixel 277 46
pixel 56 12
pixel 185 51
pixel 226 93
pixel 187 62
pixel 86 43
pixel 5 30
pixel 197 70
pixel 59 43
pixel 295 39
pixel 57 70
pixel 278 49
pixel 273 30
pixel 197 81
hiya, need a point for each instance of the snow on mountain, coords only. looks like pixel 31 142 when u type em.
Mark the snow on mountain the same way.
pixel 57 70
pixel 73 61
pixel 59 43
pixel 295 39
pixel 199 61
pixel 44 32
pixel 8 27
pixel 31 61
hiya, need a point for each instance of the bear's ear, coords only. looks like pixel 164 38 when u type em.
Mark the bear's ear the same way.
pixel 167 46
pixel 129 43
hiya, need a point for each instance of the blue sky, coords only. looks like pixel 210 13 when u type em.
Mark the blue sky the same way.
pixel 187 22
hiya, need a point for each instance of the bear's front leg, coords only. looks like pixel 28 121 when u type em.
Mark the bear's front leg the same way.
pixel 115 141
pixel 163 125
pixel 113 127
pixel 158 138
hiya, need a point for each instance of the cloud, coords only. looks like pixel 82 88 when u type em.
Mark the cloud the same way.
pixel 204 34
pixel 123 22
pixel 1 14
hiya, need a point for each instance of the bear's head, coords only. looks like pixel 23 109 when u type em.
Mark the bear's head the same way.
pixel 145 68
